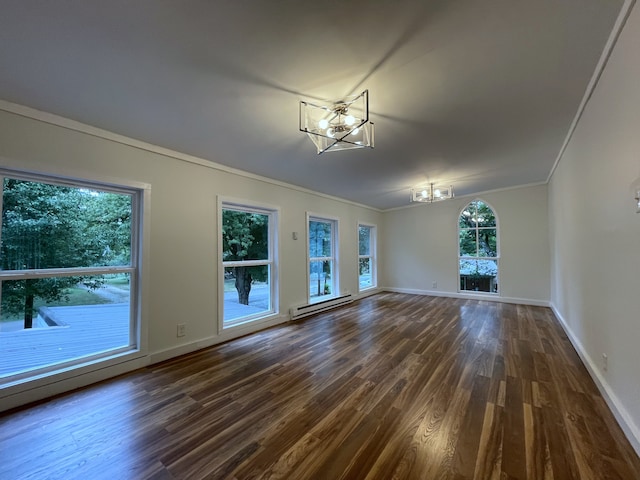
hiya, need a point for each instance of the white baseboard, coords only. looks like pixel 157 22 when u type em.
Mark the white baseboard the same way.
pixel 489 297
pixel 367 293
pixel 225 336
pixel 230 334
pixel 625 420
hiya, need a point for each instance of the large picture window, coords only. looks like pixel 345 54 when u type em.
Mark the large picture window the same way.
pixel 68 274
pixel 323 277
pixel 248 246
pixel 366 257
pixel 478 247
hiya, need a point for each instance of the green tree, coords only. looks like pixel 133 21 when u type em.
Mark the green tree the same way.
pixel 108 224
pixel 245 236
pixel 48 226
pixel 478 218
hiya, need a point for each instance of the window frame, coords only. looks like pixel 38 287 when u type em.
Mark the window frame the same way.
pixel 373 245
pixel 333 259
pixel 136 348
pixel 477 230
pixel 273 213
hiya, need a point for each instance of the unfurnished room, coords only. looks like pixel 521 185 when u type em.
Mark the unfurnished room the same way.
pixel 320 240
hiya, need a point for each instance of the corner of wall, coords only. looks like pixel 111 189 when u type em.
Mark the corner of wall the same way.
pixel 625 420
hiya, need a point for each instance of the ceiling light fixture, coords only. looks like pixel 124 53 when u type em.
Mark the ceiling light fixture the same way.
pixel 431 193
pixel 338 125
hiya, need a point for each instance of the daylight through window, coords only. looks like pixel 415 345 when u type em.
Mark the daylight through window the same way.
pixel 248 237
pixel 366 257
pixel 69 274
pixel 322 258
pixel 478 247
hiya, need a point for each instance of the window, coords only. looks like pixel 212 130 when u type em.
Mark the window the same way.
pixel 68 274
pixel 323 281
pixel 478 248
pixel 248 246
pixel 366 257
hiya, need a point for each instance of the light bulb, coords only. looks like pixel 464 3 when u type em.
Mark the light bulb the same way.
pixel 355 131
pixel 349 120
pixel 424 194
pixel 437 192
pixel 324 123
pixel 330 132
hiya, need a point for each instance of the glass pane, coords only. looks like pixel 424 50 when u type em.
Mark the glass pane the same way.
pixel 247 292
pixel 487 242
pixel 51 226
pixel 468 245
pixel 364 272
pixel 485 216
pixel 245 235
pixel 320 283
pixel 49 321
pixel 467 217
pixel 478 275
pixel 319 239
pixel 364 240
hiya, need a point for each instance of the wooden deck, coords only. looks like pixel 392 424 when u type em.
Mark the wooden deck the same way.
pixel 83 330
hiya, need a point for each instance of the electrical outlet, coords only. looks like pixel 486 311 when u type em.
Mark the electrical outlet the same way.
pixel 181 330
pixel 434 285
pixel 605 362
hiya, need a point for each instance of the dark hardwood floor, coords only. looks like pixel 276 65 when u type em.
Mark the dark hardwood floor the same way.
pixel 391 387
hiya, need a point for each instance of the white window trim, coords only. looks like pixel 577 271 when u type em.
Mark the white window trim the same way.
pixel 78 371
pixel 334 259
pixel 373 248
pixel 462 257
pixel 233 203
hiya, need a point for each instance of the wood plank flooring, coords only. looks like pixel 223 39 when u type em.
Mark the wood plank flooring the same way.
pixel 391 387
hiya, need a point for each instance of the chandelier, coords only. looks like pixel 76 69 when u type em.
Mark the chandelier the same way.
pixel 431 193
pixel 338 125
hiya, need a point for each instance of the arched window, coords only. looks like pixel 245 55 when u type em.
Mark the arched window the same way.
pixel 478 248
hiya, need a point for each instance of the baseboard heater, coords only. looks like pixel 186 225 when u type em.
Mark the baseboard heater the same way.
pixel 310 309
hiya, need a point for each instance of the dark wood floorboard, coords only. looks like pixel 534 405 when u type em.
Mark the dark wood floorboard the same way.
pixel 393 386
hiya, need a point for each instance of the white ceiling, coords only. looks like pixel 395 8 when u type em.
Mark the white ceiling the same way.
pixel 477 93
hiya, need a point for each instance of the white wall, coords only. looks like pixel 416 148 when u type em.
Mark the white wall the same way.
pixel 595 232
pixel 423 241
pixel 182 279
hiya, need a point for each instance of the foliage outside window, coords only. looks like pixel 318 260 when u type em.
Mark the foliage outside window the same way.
pixel 478 248
pixel 247 260
pixel 366 257
pixel 322 259
pixel 68 274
